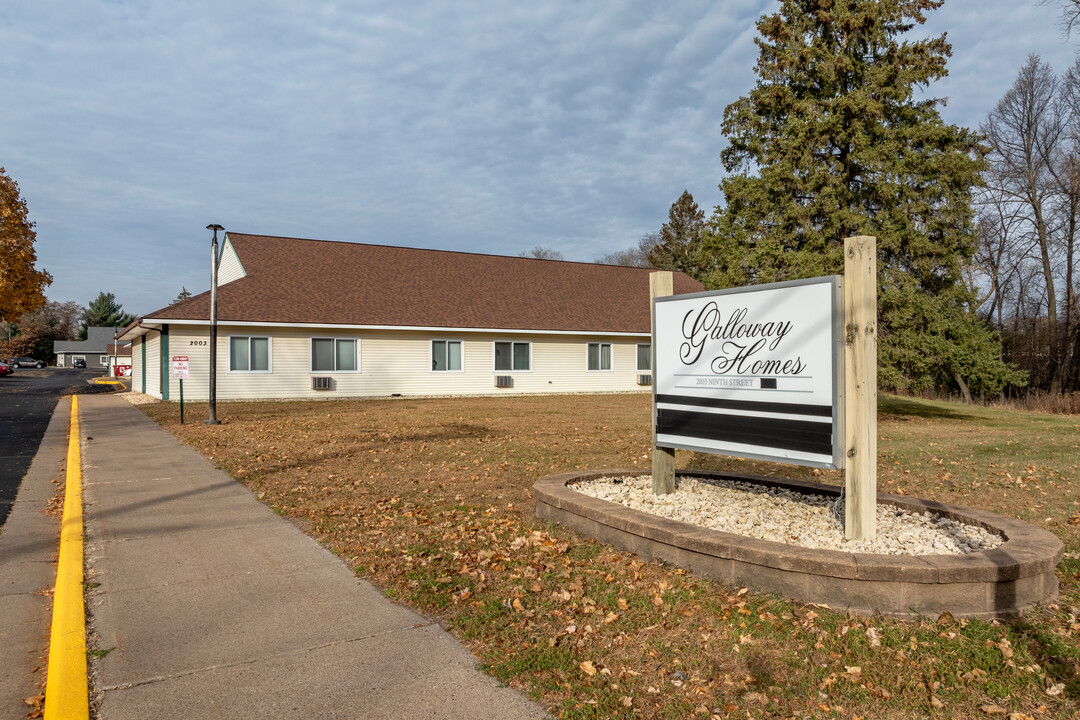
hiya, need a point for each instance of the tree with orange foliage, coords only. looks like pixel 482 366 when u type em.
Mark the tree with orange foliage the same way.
pixel 22 286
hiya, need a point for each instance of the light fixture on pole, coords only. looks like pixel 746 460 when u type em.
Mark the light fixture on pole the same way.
pixel 212 420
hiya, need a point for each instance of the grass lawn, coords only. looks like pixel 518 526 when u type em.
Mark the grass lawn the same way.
pixel 430 500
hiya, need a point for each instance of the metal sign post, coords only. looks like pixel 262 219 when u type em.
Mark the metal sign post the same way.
pixel 180 368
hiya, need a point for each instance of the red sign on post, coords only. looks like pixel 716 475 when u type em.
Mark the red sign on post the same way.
pixel 180 367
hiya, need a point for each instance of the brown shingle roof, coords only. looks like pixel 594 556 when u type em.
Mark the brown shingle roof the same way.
pixel 313 281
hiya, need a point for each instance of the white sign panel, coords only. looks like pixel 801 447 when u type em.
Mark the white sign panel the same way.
pixel 750 372
pixel 179 367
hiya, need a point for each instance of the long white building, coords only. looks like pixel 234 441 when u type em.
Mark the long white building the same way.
pixel 311 319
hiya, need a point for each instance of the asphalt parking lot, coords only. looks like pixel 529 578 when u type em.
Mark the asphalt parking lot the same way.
pixel 27 400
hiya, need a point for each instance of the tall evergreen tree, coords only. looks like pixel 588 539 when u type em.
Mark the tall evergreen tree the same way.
pixel 680 237
pixel 832 142
pixel 184 294
pixel 104 311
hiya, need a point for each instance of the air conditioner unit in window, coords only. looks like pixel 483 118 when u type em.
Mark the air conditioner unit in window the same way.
pixel 320 383
pixel 504 381
pixel 644 379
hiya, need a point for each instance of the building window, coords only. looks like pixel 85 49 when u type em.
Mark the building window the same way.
pixel 103 360
pixel 249 354
pixel 446 355
pixel 513 356
pixel 644 357
pixel 335 355
pixel 599 356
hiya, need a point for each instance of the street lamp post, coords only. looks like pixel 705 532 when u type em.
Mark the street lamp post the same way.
pixel 212 420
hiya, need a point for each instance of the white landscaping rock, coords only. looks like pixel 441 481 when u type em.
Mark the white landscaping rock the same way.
pixel 786 516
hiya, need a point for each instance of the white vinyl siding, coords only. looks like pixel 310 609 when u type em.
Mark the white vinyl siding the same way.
pixel 513 356
pixel 153 363
pixel 229 267
pixel 393 362
pixel 332 355
pixel 136 364
pixel 599 356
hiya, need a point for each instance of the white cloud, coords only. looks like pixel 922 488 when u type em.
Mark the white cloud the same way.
pixel 483 126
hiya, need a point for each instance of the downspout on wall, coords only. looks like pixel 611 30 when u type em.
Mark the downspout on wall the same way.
pixel 165 359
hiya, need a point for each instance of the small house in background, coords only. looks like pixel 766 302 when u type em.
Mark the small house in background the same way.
pixel 311 319
pixel 94 350
pixel 119 359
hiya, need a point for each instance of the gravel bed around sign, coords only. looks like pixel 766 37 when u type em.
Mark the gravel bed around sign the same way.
pixel 785 516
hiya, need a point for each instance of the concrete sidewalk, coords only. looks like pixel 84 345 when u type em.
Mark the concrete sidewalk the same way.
pixel 212 606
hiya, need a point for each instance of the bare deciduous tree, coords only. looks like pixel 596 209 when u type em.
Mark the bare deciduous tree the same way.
pixel 1029 217
pixel 636 256
pixel 1070 13
pixel 542 253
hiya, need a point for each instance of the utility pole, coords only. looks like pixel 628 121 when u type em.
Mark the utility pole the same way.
pixel 213 420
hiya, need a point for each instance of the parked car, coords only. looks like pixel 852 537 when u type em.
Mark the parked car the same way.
pixel 6 369
pixel 21 362
pixel 79 363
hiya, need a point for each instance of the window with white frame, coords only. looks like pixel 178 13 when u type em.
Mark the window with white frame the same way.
pixel 599 356
pixel 446 355
pixel 103 360
pixel 248 353
pixel 644 357
pixel 511 356
pixel 335 355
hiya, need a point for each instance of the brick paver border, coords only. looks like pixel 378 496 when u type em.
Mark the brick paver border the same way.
pixel 994 583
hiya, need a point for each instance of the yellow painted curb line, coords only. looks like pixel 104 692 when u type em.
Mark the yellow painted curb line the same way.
pixel 105 381
pixel 66 693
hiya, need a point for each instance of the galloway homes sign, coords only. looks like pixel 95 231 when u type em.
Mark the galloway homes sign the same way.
pixel 752 372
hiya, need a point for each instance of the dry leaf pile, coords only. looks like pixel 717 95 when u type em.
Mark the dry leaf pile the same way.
pixel 429 499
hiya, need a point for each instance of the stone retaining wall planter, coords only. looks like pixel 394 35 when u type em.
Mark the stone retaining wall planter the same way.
pixel 991 584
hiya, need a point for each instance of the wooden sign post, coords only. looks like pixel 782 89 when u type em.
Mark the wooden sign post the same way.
pixel 755 372
pixel 661 284
pixel 860 387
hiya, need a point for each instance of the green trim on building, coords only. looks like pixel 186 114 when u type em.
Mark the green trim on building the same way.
pixel 165 366
pixel 142 344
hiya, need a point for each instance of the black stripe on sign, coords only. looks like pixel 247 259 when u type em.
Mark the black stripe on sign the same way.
pixel 799 435
pixel 725 404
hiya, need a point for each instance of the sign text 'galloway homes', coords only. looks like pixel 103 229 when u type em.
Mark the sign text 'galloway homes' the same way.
pixel 750 372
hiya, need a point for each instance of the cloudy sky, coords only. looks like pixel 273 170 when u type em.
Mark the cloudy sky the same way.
pixel 481 126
